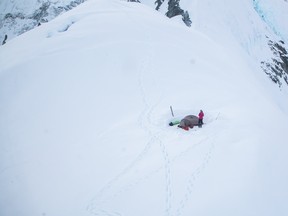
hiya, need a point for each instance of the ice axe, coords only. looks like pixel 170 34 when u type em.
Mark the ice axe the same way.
pixel 171 111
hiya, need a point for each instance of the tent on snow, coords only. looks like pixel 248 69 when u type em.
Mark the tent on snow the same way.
pixel 188 122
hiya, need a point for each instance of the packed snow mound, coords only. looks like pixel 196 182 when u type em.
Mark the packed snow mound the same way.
pixel 85 106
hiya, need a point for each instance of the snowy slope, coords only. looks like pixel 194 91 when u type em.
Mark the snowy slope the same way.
pixel 248 26
pixel 248 22
pixel 84 120
pixel 19 16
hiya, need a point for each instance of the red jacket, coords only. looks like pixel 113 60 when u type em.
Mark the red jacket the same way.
pixel 201 115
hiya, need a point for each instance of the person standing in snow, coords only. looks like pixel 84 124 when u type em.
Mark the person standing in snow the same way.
pixel 4 41
pixel 200 118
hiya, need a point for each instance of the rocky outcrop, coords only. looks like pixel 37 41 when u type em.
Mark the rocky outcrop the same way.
pixel 277 67
pixel 174 9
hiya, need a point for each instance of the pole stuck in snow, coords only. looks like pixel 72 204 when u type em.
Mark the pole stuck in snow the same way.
pixel 171 111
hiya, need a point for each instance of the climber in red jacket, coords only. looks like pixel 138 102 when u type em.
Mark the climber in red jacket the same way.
pixel 200 118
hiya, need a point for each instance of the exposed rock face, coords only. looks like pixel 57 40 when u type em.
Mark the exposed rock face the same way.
pixel 174 9
pixel 277 67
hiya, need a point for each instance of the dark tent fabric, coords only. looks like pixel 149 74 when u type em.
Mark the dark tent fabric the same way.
pixel 189 121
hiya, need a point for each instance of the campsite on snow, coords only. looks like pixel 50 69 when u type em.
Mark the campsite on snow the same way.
pixel 100 106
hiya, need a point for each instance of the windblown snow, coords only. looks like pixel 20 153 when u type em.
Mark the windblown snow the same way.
pixel 84 113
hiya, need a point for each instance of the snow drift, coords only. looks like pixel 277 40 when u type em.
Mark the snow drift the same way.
pixel 84 120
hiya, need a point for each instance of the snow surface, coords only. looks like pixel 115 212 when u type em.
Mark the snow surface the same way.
pixel 246 22
pixel 84 119
pixel 25 6
pixel 20 16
